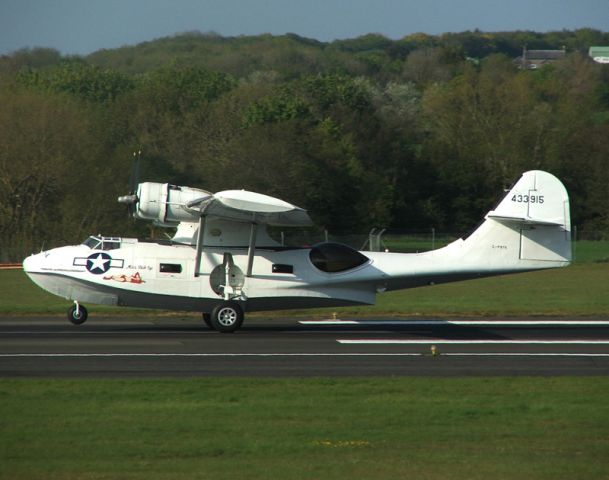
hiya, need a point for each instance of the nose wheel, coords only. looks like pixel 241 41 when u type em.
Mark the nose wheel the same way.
pixel 77 314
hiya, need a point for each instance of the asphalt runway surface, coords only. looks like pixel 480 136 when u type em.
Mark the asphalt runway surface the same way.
pixel 184 347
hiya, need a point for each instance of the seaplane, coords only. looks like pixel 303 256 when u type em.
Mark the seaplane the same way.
pixel 223 262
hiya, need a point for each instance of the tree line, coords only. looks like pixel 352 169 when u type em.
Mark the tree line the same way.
pixel 415 133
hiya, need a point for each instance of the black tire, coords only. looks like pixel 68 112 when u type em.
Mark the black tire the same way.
pixel 80 318
pixel 207 320
pixel 227 317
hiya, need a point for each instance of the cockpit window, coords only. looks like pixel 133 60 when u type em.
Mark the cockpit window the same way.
pixel 335 257
pixel 102 243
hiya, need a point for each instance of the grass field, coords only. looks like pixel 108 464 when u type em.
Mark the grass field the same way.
pixel 579 290
pixel 504 428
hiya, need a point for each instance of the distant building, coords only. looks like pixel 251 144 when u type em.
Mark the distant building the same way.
pixel 599 54
pixel 533 59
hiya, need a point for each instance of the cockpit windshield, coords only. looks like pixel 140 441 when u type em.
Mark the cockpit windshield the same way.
pixel 92 242
pixel 102 243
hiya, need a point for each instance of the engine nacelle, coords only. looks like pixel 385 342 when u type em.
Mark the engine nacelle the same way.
pixel 165 204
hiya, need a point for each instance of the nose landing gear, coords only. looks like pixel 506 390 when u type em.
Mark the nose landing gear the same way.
pixel 77 314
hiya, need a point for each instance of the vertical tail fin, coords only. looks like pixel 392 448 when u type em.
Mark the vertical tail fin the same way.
pixel 539 204
pixel 537 198
pixel 529 229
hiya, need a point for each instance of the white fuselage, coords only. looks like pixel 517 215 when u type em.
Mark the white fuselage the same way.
pixel 147 274
pixel 222 259
pixel 157 275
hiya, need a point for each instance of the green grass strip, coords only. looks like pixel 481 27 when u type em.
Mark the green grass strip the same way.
pixel 579 290
pixel 478 428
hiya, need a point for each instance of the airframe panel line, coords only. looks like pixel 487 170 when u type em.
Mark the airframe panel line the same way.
pixel 491 323
pixel 471 342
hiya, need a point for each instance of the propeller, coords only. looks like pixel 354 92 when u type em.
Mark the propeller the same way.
pixel 134 179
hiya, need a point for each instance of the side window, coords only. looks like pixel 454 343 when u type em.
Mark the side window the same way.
pixel 110 245
pixel 170 268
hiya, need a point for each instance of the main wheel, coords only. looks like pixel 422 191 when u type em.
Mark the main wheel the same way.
pixel 227 317
pixel 77 316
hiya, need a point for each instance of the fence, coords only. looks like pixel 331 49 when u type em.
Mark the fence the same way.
pixel 587 246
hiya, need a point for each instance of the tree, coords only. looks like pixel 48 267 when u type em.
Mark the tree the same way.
pixel 52 177
pixel 78 79
pixel 486 127
pixel 426 66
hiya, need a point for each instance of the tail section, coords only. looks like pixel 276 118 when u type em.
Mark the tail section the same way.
pixel 529 229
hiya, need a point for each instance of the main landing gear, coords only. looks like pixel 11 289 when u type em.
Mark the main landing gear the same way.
pixel 77 314
pixel 226 317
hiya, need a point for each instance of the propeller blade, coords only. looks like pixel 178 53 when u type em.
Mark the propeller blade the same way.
pixel 134 180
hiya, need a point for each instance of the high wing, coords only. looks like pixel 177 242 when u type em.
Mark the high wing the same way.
pixel 185 207
pixel 169 205
pixel 245 206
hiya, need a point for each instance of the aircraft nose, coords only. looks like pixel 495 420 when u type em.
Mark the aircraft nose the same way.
pixel 27 264
pixel 31 263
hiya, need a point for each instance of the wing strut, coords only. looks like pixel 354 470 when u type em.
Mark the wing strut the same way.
pixel 200 235
pixel 252 247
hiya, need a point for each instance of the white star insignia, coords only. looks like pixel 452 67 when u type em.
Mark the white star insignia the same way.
pixel 99 263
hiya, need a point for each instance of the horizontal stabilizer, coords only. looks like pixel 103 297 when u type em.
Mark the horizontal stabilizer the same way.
pixel 523 220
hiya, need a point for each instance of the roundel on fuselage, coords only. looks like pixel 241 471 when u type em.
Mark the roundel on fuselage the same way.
pixel 98 263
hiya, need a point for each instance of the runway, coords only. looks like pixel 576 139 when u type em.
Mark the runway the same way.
pixel 184 347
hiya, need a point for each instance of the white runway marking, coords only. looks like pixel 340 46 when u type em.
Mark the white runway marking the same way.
pixel 137 355
pixel 472 323
pixel 80 355
pixel 114 332
pixel 470 342
pixel 515 354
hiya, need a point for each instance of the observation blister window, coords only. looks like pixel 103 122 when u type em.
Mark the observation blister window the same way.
pixel 335 257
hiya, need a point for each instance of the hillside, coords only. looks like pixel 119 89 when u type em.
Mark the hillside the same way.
pixel 417 133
